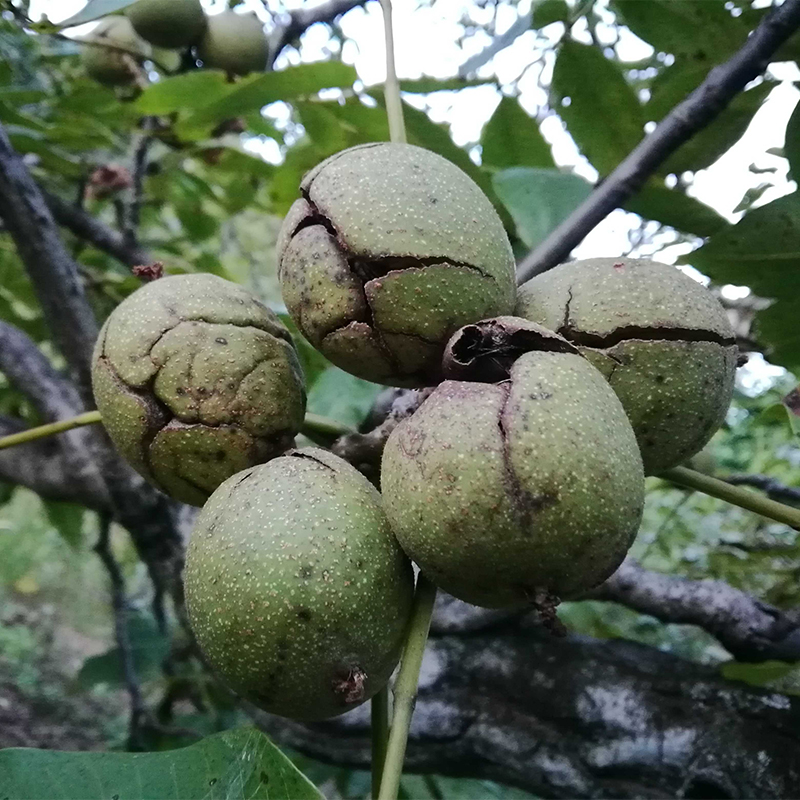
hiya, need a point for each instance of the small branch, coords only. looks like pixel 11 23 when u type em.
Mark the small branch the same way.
pixel 749 629
pixel 364 450
pixel 302 19
pixel 130 229
pixel 394 106
pixel 517 28
pixel 139 712
pixel 92 230
pixel 379 728
pixel 702 106
pixel 750 501
pixel 52 428
pixel 773 488
pixel 405 689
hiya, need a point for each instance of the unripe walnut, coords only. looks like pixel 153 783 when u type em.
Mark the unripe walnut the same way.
pixel 521 491
pixel 391 249
pixel 235 43
pixel 661 339
pixel 111 52
pixel 196 380
pixel 296 589
pixel 168 23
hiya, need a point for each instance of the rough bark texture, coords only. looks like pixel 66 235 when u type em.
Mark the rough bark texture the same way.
pixel 577 717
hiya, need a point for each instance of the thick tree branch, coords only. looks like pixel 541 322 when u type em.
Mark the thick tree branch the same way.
pixel 683 122
pixel 303 18
pixel 749 629
pixel 52 270
pixel 576 717
pixel 96 233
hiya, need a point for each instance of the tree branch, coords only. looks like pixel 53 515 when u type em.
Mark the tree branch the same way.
pixel 684 121
pixel 749 629
pixel 302 19
pixel 92 230
pixel 576 717
pixel 52 270
pixel 774 489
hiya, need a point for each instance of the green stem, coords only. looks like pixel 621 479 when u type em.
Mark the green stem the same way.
pixel 380 737
pixel 405 690
pixel 735 495
pixel 315 427
pixel 394 106
pixel 30 435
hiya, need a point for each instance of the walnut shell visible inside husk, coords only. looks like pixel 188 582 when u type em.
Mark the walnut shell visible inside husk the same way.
pixel 521 491
pixel 391 249
pixel 196 380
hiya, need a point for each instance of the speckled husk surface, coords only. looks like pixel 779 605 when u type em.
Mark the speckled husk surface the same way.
pixel 510 493
pixel 168 23
pixel 662 340
pixel 390 249
pixel 196 379
pixel 296 589
pixel 114 65
pixel 235 43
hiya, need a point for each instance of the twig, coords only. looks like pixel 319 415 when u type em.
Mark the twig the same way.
pixel 405 690
pixel 119 600
pixel 684 121
pixel 722 490
pixel 379 726
pixel 303 18
pixel 394 106
pixel 774 489
pixel 52 428
pixel 130 227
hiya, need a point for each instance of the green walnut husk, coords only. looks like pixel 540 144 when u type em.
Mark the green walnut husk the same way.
pixel 112 51
pixel 296 589
pixel 235 43
pixel 661 339
pixel 519 492
pixel 390 249
pixel 196 380
pixel 168 23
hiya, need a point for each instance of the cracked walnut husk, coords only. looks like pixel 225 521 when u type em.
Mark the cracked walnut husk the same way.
pixel 661 339
pixel 521 491
pixel 196 380
pixel 389 250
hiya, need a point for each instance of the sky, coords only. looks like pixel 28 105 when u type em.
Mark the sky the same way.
pixel 430 41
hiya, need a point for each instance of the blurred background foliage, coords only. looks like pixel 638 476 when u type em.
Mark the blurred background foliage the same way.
pixel 210 202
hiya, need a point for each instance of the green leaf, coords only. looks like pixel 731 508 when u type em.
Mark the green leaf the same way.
pixel 539 199
pixel 603 116
pixel 260 90
pixel 676 209
pixel 761 674
pixel 549 11
pixel 705 147
pixel 149 648
pixel 95 9
pixel 792 405
pixel 673 84
pixel 684 27
pixel 67 519
pixel 792 145
pixel 341 396
pixel 511 138
pixel 762 251
pixel 234 765
pixel 189 91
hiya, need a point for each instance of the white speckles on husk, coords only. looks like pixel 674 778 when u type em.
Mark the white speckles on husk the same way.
pixel 388 252
pixel 502 492
pixel 296 589
pixel 196 380
pixel 662 340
